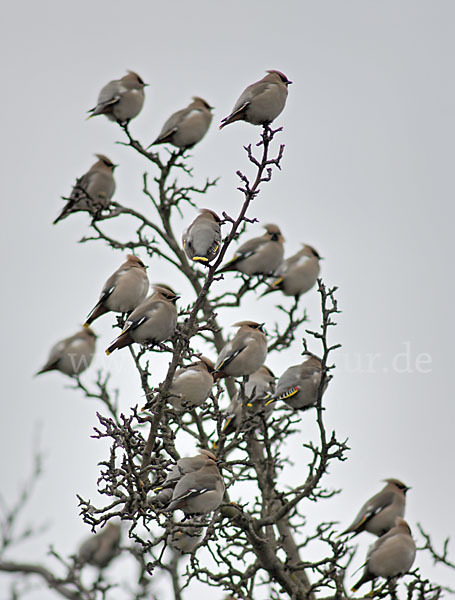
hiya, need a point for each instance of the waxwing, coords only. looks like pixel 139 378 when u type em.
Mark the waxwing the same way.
pixel 257 391
pixel 186 127
pixel 378 514
pixel 261 102
pixel 100 548
pixel 199 492
pixel 258 256
pixel 201 241
pixel 245 353
pixel 72 355
pixel 125 289
pixel 183 540
pixel 121 99
pixel 152 322
pixel 392 555
pixel 93 191
pixel 185 465
pixel 297 274
pixel 191 385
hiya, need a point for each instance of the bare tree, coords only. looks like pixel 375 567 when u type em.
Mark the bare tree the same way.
pixel 261 547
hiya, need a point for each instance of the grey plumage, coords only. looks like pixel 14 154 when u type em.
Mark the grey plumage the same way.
pixel 378 514
pixel 245 353
pixel 199 492
pixel 191 385
pixel 100 548
pixel 258 256
pixel 93 191
pixel 125 289
pixel 121 99
pixel 188 126
pixel 297 274
pixel 258 390
pixel 183 540
pixel 72 355
pixel 298 386
pixel 261 102
pixel 201 241
pixel 152 322
pixel 392 555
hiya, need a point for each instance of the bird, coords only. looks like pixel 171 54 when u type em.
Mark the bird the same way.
pixel 187 464
pixel 93 191
pixel 152 322
pixel 191 385
pixel 199 492
pixel 297 274
pixel 392 555
pixel 121 99
pixel 183 540
pixel 378 514
pixel 100 548
pixel 299 384
pixel 261 102
pixel 72 355
pixel 186 127
pixel 245 353
pixel 258 256
pixel 201 241
pixel 258 389
pixel 125 289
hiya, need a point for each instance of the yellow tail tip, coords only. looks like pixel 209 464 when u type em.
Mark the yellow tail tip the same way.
pixel 354 589
pixel 107 353
pixel 200 259
pixel 86 325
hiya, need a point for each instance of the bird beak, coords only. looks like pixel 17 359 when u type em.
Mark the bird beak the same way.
pixel 289 82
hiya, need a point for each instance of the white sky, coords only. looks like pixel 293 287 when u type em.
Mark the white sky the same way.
pixel 367 179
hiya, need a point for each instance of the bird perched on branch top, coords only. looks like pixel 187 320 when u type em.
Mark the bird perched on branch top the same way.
pixel 186 127
pixel 183 540
pixel 201 241
pixel 299 385
pixel 72 355
pixel 125 289
pixel 392 555
pixel 245 353
pixel 378 514
pixel 121 99
pixel 261 102
pixel 297 274
pixel 184 465
pixel 258 256
pixel 152 322
pixel 198 492
pixel 100 548
pixel 93 191
pixel 191 385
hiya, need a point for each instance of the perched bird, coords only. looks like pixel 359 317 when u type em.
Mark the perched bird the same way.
pixel 261 102
pixel 258 389
pixel 125 289
pixel 93 191
pixel 378 514
pixel 121 99
pixel 201 241
pixel 186 127
pixel 297 274
pixel 245 353
pixel 152 322
pixel 184 540
pixel 100 548
pixel 392 555
pixel 72 355
pixel 258 256
pixel 191 385
pixel 198 492
pixel 299 385
pixel 185 465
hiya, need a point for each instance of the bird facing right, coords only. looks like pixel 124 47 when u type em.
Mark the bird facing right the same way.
pixel 261 102
pixel 392 555
pixel 297 274
pixel 245 353
pixel 121 99
pixel 378 514
pixel 299 384
pixel 188 126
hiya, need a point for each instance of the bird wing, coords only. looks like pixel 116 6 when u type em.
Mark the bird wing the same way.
pixel 370 509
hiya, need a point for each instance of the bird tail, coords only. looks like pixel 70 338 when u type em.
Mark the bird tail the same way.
pixel 124 339
pixel 96 312
pixel 273 287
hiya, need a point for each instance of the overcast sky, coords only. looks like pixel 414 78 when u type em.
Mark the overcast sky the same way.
pixel 367 179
